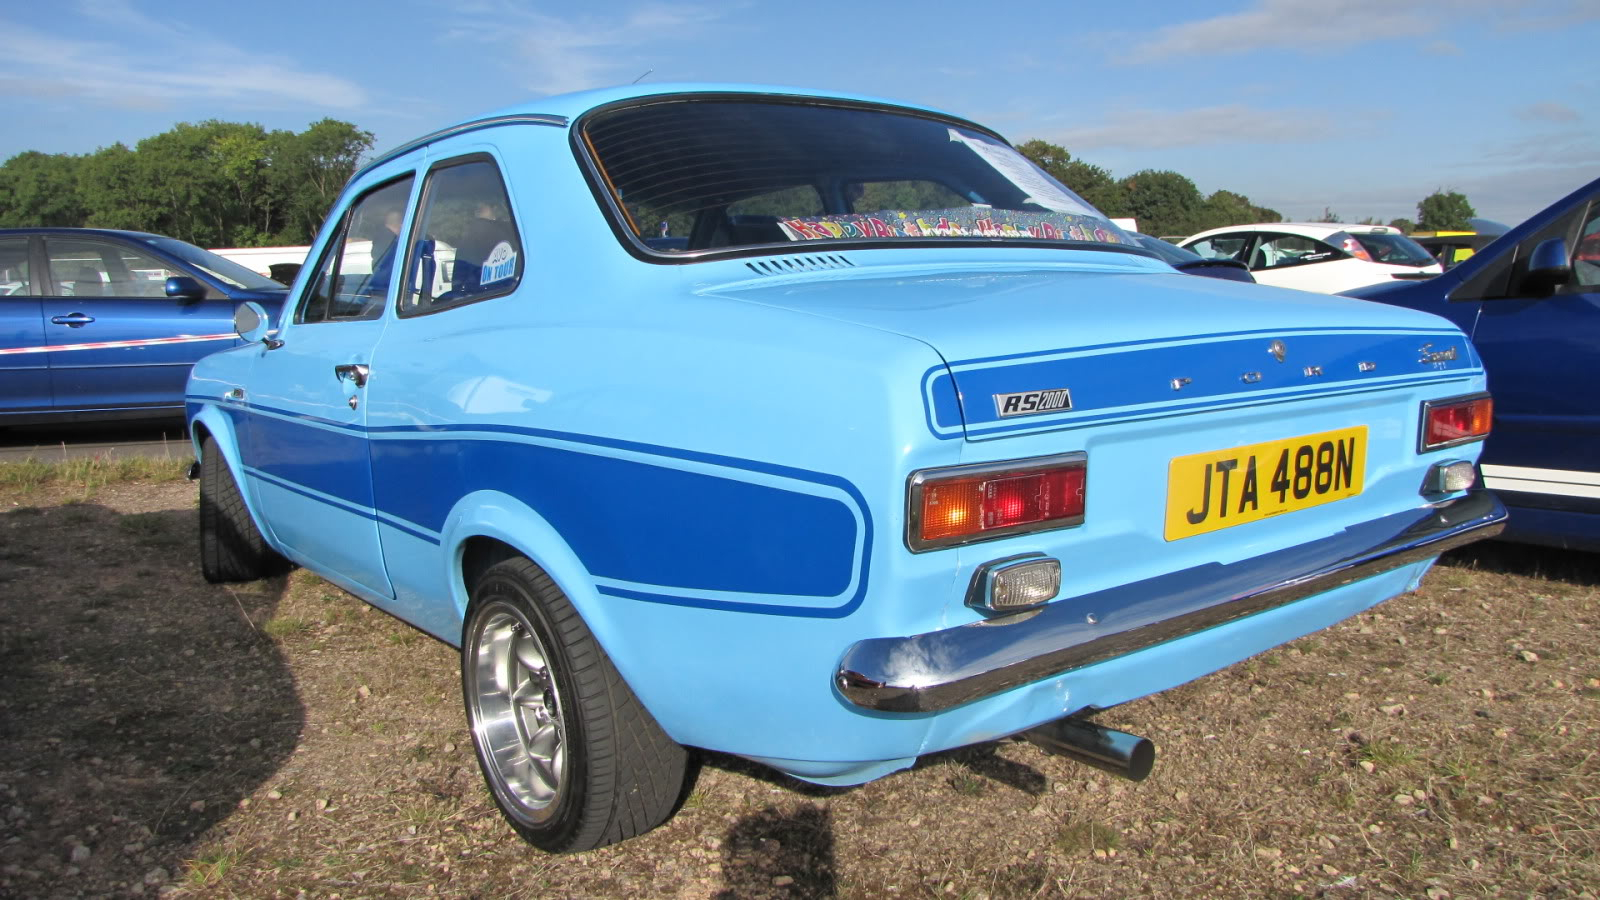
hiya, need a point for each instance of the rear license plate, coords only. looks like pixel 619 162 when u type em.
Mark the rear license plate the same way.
pixel 1223 488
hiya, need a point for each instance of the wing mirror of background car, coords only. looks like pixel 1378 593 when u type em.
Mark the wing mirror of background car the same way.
pixel 182 287
pixel 252 323
pixel 1548 267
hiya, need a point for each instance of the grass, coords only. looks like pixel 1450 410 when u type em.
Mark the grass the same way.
pixel 283 626
pixel 1389 753
pixel 1083 837
pixel 91 472
pixel 209 869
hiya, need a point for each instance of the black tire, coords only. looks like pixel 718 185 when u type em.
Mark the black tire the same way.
pixel 231 547
pixel 572 758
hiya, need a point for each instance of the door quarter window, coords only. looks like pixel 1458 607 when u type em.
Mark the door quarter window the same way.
pixel 1275 251
pixel 87 268
pixel 466 247
pixel 1586 258
pixel 352 279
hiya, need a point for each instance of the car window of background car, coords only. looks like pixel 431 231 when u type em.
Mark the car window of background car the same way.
pixel 466 247
pixel 1222 246
pixel 1395 249
pixel 1279 250
pixel 14 280
pixel 352 280
pixel 681 172
pixel 1586 259
pixel 84 268
pixel 222 269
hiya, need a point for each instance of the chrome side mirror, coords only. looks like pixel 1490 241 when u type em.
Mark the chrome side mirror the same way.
pixel 253 325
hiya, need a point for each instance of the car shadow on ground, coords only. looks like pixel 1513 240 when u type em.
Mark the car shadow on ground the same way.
pixel 1528 560
pixel 138 705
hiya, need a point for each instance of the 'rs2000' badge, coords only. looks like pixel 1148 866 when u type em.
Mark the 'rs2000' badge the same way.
pixel 1030 403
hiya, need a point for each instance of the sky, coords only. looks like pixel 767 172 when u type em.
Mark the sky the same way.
pixel 1361 107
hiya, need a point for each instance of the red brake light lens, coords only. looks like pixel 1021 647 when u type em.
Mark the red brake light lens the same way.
pixel 1446 423
pixel 973 503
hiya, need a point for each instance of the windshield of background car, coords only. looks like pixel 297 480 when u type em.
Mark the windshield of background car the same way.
pixel 1395 249
pixel 224 270
pixel 718 174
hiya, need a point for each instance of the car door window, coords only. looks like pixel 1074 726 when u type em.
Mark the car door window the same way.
pixel 1586 259
pixel 87 268
pixel 1279 250
pixel 352 279
pixel 14 276
pixel 466 247
pixel 1222 246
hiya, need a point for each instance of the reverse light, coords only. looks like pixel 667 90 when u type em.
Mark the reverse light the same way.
pixel 1457 420
pixel 962 504
pixel 1015 583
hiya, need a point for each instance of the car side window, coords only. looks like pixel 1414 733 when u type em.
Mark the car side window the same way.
pixel 1222 246
pixel 87 268
pixel 352 280
pixel 1586 258
pixel 14 278
pixel 1277 251
pixel 466 247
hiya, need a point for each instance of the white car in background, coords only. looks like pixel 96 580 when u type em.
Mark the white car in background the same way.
pixel 1318 256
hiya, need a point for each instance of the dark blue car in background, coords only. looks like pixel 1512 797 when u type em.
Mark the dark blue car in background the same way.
pixel 1531 302
pixel 97 324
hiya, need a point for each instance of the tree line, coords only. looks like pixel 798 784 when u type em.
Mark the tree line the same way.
pixel 215 184
pixel 233 184
pixel 1166 203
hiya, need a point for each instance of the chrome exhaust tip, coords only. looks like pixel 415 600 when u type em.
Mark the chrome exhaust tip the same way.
pixel 1107 749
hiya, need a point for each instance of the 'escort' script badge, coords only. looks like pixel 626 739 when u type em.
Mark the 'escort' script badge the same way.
pixel 1030 403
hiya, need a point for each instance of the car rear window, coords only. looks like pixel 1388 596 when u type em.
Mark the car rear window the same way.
pixel 1395 249
pixel 718 174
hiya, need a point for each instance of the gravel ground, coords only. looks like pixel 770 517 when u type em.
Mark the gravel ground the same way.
pixel 162 736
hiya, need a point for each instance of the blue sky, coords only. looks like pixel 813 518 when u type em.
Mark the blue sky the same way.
pixel 1361 106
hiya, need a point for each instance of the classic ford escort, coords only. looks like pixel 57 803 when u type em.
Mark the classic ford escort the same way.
pixel 820 430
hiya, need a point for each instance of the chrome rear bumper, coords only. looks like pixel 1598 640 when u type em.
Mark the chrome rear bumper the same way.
pixel 941 669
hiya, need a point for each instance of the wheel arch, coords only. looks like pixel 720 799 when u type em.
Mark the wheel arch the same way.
pixel 216 424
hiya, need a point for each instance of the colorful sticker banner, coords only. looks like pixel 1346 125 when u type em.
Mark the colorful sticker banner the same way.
pixel 972 221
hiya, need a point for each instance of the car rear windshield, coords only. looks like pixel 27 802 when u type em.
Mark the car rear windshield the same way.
pixel 1395 249
pixel 711 174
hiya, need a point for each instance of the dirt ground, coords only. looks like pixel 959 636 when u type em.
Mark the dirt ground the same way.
pixel 162 736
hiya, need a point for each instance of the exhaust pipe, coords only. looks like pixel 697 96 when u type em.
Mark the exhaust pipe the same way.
pixel 1117 752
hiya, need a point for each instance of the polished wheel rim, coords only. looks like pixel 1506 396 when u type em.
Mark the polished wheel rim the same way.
pixel 516 713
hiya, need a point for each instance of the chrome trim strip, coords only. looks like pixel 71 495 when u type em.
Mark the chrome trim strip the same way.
pixel 940 669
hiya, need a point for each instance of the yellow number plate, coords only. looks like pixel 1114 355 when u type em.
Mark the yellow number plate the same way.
pixel 1210 491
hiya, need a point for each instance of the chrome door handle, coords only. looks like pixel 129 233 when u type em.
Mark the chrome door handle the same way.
pixel 355 372
pixel 72 320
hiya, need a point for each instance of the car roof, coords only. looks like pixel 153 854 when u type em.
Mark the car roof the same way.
pixel 562 109
pixel 1309 229
pixel 101 232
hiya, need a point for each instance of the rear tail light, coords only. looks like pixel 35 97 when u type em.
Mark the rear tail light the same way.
pixel 1458 420
pixel 962 504
pixel 1353 247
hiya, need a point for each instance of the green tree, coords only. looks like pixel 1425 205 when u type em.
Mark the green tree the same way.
pixel 1163 202
pixel 40 189
pixel 1405 225
pixel 308 171
pixel 1444 211
pixel 1229 208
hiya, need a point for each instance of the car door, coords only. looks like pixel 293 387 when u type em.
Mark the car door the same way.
pixel 306 446
pixel 1542 353
pixel 119 342
pixel 24 361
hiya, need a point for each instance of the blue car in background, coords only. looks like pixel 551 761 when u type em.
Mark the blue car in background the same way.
pixel 1531 302
pixel 98 325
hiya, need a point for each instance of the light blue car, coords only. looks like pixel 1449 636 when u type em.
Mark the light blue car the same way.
pixel 823 431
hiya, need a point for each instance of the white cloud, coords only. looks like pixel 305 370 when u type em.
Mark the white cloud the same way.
pixel 1301 25
pixel 1546 112
pixel 1443 48
pixel 1145 129
pixel 193 66
pixel 557 54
